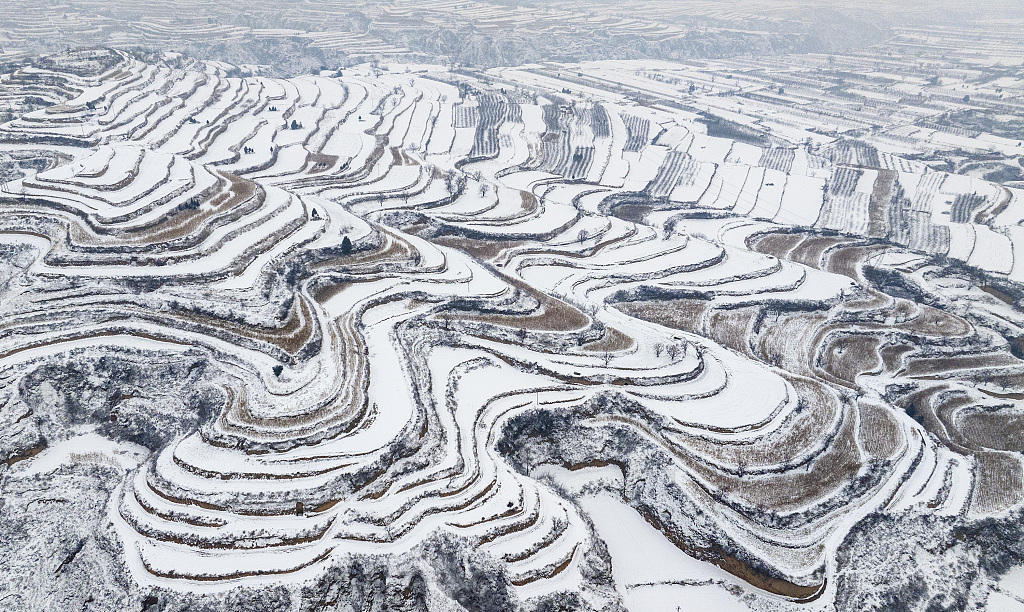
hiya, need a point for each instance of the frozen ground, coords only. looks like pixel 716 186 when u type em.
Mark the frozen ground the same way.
pixel 414 339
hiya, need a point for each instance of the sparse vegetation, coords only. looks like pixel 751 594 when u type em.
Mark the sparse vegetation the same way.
pixel 398 335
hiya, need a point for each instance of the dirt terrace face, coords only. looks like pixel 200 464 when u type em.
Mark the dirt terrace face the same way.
pixel 301 322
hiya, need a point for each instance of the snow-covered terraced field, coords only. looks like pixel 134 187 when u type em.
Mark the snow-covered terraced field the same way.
pixel 377 316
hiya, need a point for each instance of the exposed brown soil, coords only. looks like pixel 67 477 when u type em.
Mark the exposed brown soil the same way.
pixel 552 315
pixel 483 250
pixel 892 355
pixel 774 244
pixel 800 487
pixel 937 366
pixel 811 251
pixel 846 260
pixel 729 327
pixel 26 454
pixel 399 158
pixel 998 482
pixel 613 340
pixel 682 314
pixel 997 430
pixel 190 222
pixel 736 567
pixel 879 433
pixel 320 162
pixel 293 333
pixel 846 357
